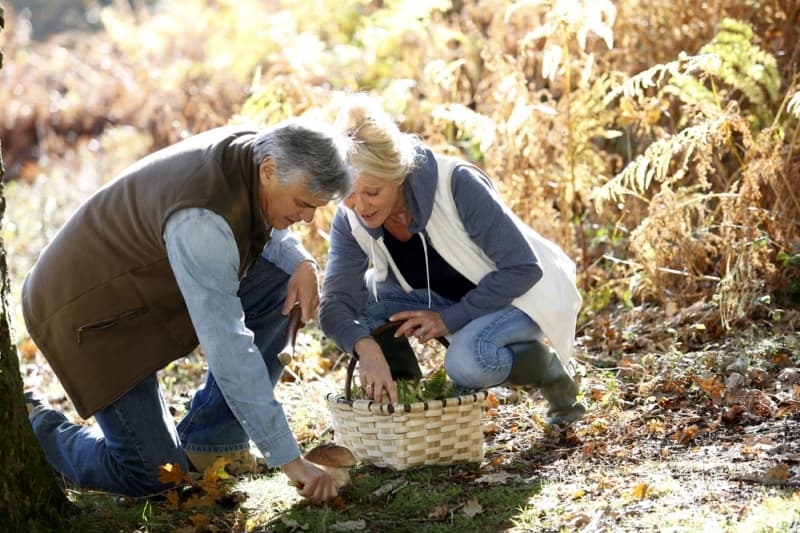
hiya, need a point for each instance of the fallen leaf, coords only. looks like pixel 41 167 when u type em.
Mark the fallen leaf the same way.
pixel 778 473
pixel 173 498
pixel 640 491
pixel 171 474
pixel 200 520
pixel 686 435
pixel 492 400
pixel 577 521
pixel 215 473
pixel 713 385
pixel 472 508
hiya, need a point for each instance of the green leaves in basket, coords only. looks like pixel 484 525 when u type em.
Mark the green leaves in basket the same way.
pixel 435 386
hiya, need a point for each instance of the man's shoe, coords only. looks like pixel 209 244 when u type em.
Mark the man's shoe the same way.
pixel 239 463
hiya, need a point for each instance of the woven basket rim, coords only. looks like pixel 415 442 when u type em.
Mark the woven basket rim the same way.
pixel 388 408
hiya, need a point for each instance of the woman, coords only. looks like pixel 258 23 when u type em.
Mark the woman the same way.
pixel 450 259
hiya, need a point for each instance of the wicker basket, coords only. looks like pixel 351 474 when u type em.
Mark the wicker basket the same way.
pixel 422 433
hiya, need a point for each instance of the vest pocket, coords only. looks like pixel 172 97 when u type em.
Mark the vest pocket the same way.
pixel 108 322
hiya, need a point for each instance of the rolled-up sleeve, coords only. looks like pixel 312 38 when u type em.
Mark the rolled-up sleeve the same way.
pixel 204 258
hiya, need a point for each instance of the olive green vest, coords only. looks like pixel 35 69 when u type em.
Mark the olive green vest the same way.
pixel 102 303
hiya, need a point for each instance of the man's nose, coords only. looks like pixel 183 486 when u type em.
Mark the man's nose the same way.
pixel 307 214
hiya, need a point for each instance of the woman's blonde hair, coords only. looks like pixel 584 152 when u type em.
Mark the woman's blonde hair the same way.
pixel 378 147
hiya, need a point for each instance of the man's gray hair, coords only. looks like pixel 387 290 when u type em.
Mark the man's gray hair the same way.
pixel 310 150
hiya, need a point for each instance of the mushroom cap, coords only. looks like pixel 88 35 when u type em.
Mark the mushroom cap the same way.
pixel 331 455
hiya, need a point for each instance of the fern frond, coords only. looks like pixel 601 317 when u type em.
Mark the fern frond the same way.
pixel 743 64
pixel 689 90
pixel 654 163
pixel 793 107
pixel 475 128
pixel 653 76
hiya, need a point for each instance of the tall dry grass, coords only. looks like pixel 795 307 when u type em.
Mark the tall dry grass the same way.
pixel 655 140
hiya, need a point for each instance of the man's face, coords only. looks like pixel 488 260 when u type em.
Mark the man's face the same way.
pixel 284 205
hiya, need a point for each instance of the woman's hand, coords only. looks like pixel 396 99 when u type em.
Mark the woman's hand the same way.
pixel 374 370
pixel 424 325
pixel 311 482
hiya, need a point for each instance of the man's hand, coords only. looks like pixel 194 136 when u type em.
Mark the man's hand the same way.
pixel 303 287
pixel 311 481
pixel 424 325
pixel 374 370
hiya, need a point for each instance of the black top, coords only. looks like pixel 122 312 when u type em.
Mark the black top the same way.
pixel 409 257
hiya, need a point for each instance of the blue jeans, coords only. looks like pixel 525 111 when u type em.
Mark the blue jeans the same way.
pixel 478 356
pixel 136 434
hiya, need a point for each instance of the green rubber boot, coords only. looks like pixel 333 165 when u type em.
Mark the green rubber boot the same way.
pixel 538 365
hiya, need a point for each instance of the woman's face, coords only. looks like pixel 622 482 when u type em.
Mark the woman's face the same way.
pixel 374 200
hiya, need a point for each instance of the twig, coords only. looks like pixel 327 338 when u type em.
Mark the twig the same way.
pixel 765 481
pixel 385 490
pixel 662 269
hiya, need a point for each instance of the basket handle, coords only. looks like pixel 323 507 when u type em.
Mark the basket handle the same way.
pixel 351 366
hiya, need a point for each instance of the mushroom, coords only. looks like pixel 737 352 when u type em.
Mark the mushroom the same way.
pixel 333 459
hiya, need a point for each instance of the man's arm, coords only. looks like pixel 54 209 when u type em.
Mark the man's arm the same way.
pixel 285 251
pixel 204 257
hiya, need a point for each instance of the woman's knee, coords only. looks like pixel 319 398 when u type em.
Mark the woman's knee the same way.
pixel 466 370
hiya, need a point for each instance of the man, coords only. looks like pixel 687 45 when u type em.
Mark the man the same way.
pixel 180 250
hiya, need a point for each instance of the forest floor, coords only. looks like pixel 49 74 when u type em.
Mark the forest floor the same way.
pixel 680 436
pixel 690 428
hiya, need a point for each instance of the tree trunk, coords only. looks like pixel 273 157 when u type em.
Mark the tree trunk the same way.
pixel 30 499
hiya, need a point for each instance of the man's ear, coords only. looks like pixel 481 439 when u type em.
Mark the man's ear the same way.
pixel 266 170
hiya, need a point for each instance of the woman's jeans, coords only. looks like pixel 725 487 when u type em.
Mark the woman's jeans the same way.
pixel 136 434
pixel 478 356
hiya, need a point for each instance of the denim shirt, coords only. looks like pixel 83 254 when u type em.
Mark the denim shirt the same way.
pixel 204 258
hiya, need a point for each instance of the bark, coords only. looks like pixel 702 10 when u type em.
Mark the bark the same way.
pixel 30 498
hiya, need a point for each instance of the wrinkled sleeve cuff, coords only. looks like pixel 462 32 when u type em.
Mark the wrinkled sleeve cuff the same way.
pixel 351 336
pixel 279 449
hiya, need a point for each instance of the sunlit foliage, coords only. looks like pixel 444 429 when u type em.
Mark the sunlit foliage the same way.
pixel 656 141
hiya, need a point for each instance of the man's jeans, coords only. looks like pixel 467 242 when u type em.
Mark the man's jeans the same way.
pixel 478 356
pixel 136 434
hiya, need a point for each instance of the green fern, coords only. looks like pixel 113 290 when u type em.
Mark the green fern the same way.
pixel 435 386
pixel 730 57
pixel 739 64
